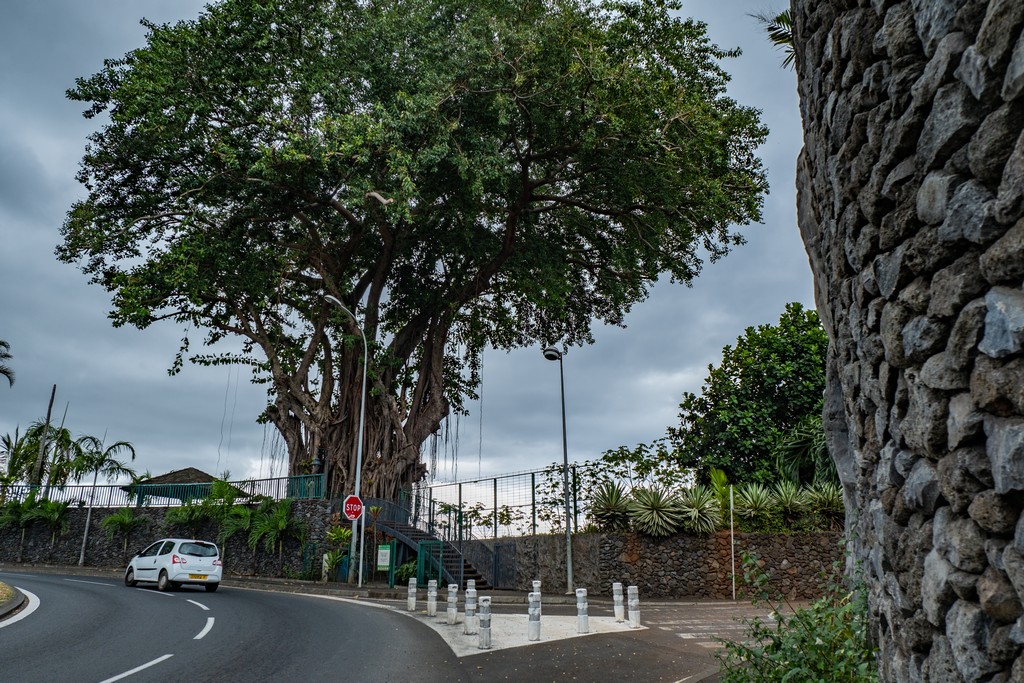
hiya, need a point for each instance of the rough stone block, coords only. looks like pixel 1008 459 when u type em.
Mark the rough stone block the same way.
pixel 1004 322
pixel 955 285
pixel 959 485
pixel 1002 649
pixel 967 330
pixel 1013 82
pixel 1013 565
pixel 997 597
pixel 924 426
pixel 1004 261
pixel 894 316
pixel 940 67
pixel 936 593
pixel 949 125
pixel 939 373
pixel 899 32
pixel 934 195
pixel 1009 204
pixel 1001 24
pixel 940 665
pixel 990 147
pixel 1005 448
pixel 934 19
pixel 975 73
pixel 964 421
pixel 969 216
pixel 921 490
pixel 994 513
pixel 967 628
pixel 997 387
pixel 922 337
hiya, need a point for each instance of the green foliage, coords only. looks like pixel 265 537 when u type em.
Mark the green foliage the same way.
pixel 790 499
pixel 653 464
pixel 190 515
pixel 340 536
pixel 122 522
pixel 827 641
pixel 333 560
pixel 770 381
pixel 52 514
pixel 275 525
pixel 609 507
pixel 655 512
pixel 5 369
pixel 702 512
pixel 825 501
pixel 511 173
pixel 801 454
pixel 757 509
pixel 405 572
pixel 779 27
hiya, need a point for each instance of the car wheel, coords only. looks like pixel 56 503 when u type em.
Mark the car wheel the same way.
pixel 212 587
pixel 129 579
pixel 162 583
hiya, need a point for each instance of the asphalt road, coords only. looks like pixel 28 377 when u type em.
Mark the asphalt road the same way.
pixel 94 629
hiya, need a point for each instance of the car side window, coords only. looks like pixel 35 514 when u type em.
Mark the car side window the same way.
pixel 151 550
pixel 168 546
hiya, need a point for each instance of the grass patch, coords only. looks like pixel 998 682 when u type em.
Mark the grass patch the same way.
pixel 6 592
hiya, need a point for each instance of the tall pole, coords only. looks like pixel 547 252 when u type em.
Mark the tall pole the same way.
pixel 359 443
pixel 552 353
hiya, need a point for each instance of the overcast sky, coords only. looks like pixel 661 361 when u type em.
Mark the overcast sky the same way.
pixel 623 389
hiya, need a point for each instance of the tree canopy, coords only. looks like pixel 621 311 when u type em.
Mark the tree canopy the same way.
pixel 766 388
pixel 459 174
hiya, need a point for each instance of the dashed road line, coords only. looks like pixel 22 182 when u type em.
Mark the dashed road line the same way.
pixel 199 605
pixel 137 669
pixel 206 629
pixel 33 605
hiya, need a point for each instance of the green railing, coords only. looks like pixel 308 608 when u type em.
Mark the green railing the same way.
pixel 304 486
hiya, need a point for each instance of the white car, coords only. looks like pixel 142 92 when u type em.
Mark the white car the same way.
pixel 171 562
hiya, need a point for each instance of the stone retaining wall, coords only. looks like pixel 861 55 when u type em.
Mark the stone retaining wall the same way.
pixel 678 566
pixel 102 551
pixel 910 201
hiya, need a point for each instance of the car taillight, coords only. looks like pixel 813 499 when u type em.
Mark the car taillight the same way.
pixel 178 560
pixel 217 563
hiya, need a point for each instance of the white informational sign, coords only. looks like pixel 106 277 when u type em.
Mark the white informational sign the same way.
pixel 384 557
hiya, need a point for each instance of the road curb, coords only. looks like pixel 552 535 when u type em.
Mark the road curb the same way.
pixel 14 603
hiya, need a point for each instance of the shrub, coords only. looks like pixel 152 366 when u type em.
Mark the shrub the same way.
pixel 825 501
pixel 655 512
pixel 610 507
pixel 790 499
pixel 701 510
pixel 827 641
pixel 405 572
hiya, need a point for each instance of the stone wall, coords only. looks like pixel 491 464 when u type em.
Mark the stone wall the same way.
pixel 678 566
pixel 105 552
pixel 910 200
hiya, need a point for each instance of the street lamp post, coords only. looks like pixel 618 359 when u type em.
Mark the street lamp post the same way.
pixel 359 444
pixel 551 353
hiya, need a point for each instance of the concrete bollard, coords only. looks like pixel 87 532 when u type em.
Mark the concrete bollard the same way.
pixel 620 608
pixel 582 618
pixel 533 624
pixel 536 589
pixel 453 604
pixel 410 602
pixel 484 639
pixel 469 623
pixel 634 606
pixel 432 598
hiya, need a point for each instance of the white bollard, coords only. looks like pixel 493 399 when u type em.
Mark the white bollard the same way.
pixel 432 598
pixel 634 606
pixel 582 618
pixel 536 589
pixel 453 604
pixel 410 602
pixel 620 608
pixel 533 624
pixel 484 639
pixel 469 623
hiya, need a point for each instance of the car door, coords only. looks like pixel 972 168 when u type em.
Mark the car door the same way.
pixel 145 562
pixel 163 558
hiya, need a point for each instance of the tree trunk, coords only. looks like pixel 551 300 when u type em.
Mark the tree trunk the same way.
pixel 911 207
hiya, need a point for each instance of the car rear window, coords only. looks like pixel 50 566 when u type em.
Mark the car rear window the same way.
pixel 199 549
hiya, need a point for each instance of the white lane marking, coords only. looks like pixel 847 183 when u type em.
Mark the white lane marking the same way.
pixel 199 605
pixel 33 604
pixel 206 629
pixel 95 583
pixel 150 591
pixel 137 669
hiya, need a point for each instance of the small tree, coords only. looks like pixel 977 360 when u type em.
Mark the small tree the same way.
pixel 274 526
pixel 53 515
pixel 122 522
pixel 19 513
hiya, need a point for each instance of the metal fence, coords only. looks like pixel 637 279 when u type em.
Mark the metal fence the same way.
pixel 169 495
pixel 524 503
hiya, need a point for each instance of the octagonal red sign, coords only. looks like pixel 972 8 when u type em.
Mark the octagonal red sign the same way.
pixel 352 508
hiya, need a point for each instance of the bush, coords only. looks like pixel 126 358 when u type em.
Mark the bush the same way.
pixel 702 513
pixel 610 507
pixel 827 641
pixel 655 512
pixel 405 572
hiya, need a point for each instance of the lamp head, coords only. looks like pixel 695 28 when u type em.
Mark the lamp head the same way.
pixel 551 353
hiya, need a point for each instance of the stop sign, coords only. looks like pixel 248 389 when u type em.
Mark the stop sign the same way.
pixel 352 508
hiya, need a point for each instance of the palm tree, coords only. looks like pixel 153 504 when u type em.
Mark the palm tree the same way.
pixel 93 457
pixel 780 32
pixel 60 452
pixel 5 355
pixel 18 513
pixel 53 514
pixel 15 461
pixel 122 522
